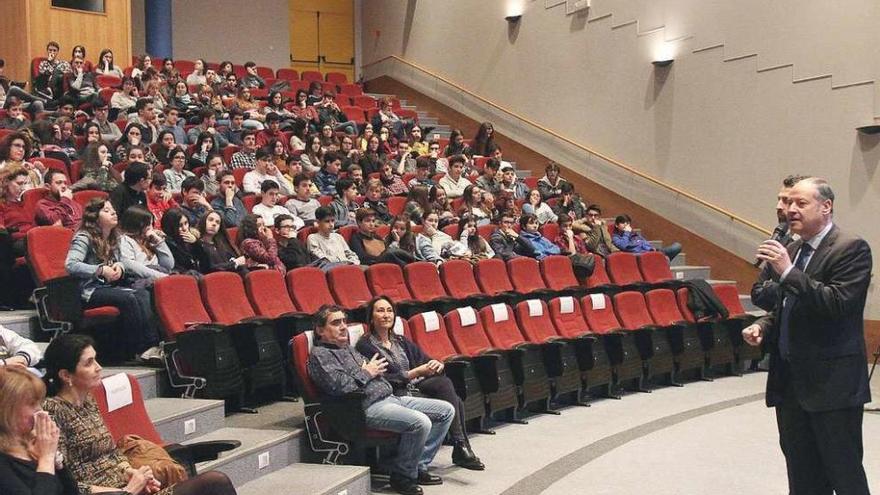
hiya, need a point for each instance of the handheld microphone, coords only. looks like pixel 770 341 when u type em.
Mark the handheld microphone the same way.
pixel 778 233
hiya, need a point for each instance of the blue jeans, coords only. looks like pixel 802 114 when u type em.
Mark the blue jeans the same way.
pixel 672 250
pixel 422 424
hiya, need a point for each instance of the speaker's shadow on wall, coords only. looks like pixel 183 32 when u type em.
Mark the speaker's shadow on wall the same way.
pixel 863 165
pixel 513 31
pixel 407 24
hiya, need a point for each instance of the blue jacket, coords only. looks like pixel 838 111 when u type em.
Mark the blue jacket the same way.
pixel 543 247
pixel 630 242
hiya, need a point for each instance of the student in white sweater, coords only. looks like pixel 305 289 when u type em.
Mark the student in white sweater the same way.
pixel 268 207
pixel 328 244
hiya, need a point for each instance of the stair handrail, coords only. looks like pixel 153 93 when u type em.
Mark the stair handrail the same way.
pixel 619 164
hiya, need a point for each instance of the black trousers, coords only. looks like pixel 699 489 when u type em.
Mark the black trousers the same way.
pixel 440 387
pixel 823 450
pixel 136 313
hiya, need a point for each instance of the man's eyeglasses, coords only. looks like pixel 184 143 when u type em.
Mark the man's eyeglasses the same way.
pixel 286 226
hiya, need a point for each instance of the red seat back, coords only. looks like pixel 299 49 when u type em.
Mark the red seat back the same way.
pixel 466 331
pixel 550 231
pixel 663 307
pixel 423 281
pixel 568 317
pixel 308 289
pixel 557 272
pixel 681 296
pixel 396 204
pixel 534 320
pixel 178 303
pixel 311 75
pixel 267 293
pixel 429 332
pixel 486 231
pixel 599 313
pixel 632 310
pixel 387 279
pixel 654 267
pixel 224 297
pixel 84 197
pixel 351 89
pixel 349 286
pixel 300 347
pixel 287 74
pixel 336 77
pixel 623 268
pixel 729 296
pixel 525 274
pixel 128 419
pixel 47 251
pixel 458 278
pixel 599 276
pixel 501 326
pixel 492 276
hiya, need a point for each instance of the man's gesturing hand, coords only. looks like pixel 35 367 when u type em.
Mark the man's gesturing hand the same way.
pixel 376 366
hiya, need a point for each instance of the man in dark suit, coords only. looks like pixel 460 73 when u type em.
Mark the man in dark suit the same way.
pixel 765 290
pixel 818 380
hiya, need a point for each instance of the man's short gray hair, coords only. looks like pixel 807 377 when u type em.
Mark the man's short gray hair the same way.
pixel 823 188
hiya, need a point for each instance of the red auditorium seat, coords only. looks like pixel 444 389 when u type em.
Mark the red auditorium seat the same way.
pixel 550 231
pixel 525 275
pixel 561 358
pixel 108 81
pixel 348 284
pixel 200 349
pixel 386 279
pixel 714 333
pixel 239 174
pixel 287 74
pixel 620 345
pixel 425 285
pixel 308 289
pixel 491 275
pixel 265 72
pixel 653 341
pixel 254 337
pixel 429 332
pixel 593 358
pixel 351 89
pixel 57 296
pixel 623 268
pixel 458 279
pixel 486 231
pixel 532 182
pixel 654 267
pixel 736 321
pixel 559 275
pixel 184 65
pixel 336 78
pixel 355 114
pixel 84 197
pixel 599 280
pixel 228 151
pixel 364 101
pixel 347 231
pixel 311 75
pixel 331 417
pixel 684 337
pixel 268 295
pixel 396 204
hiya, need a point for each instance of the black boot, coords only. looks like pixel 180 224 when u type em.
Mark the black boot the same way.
pixel 404 485
pixel 463 456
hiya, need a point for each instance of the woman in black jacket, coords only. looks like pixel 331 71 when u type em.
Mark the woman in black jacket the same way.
pixel 182 241
pixel 410 369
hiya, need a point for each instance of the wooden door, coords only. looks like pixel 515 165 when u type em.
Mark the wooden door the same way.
pixel 322 36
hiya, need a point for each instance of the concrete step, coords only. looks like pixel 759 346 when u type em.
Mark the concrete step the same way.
pixel 712 281
pixel 24 322
pixel 428 121
pixel 178 420
pixel 153 382
pixel 689 272
pixel 656 244
pixel 316 479
pixel 261 452
pixel 680 260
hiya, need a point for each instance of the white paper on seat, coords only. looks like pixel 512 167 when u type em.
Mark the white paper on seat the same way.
pixel 468 316
pixel 598 301
pixel 118 390
pixel 310 337
pixel 398 325
pixel 535 308
pixel 355 332
pixel 432 321
pixel 499 312
pixel 566 305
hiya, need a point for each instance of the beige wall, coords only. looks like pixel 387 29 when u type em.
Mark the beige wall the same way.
pixel 721 130
pixel 225 30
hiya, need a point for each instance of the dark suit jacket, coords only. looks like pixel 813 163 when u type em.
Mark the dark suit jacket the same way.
pixel 827 365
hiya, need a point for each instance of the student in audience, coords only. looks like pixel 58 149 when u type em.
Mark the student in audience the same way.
pixel 279 156
pixel 272 131
pixel 82 88
pixel 124 102
pixel 348 152
pixel 488 180
pixel 142 248
pixel 387 118
pixel 326 178
pixel 456 145
pixel 92 133
pixel 88 449
pixel 337 369
pixel 159 199
pixel 197 76
pixel 97 170
pixel 329 113
pixel 110 132
pixel 176 174
pixel 302 205
pixel 182 241
pixel 15 218
pixel 17 351
pixel 345 205
pixel 455 182
pixel 29 446
pixel 212 169
pixel 202 149
pixel 536 206
pixel 144 62
pixel 58 208
pixel 67 141
pixel 416 140
pixel 569 203
pixel 251 79
pixel 95 259
pixel 417 203
pixel 439 165
pixel 168 70
pixel 374 200
pixel 369 247
pixel 268 207
pixel 476 246
pixel 631 242
pixel 313 157
pixel 14 152
pixel 207 124
pixel 472 206
pixel 598 238
pixel 432 243
pixel 401 236
pixel 153 89
pixel 551 184
pixel 510 183
pixel 387 143
pixel 409 367
pixel 364 138
pixel 183 101
pixel 250 107
pixel 304 112
pixel 373 157
pixel 106 66
pixel 228 202
pixel 217 253
pixel 9 90
pixel 132 138
pixel 541 246
pixel 236 127
pixel 167 143
pixel 15 118
pixel 393 184
pixel 257 244
pixel 292 252
pixel 489 205
pixel 316 93
pixel 507 243
pixel 147 118
pixel 194 204
pixel 440 203
pixel 484 140
pixel 132 191
pixel 264 170
pixel 174 124
pixel 356 174
pixel 570 241
pixel 328 244
pixel 246 157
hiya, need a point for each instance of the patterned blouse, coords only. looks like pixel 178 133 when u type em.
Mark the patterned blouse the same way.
pixel 87 446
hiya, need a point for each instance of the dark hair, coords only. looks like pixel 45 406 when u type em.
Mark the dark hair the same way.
pixel 331 157
pixel 526 218
pixel 158 180
pixel 53 44
pixel 363 213
pixel 299 179
pixel 324 212
pixel 323 314
pixel 268 185
pixel 169 157
pixel 6 145
pixel 171 224
pixel 247 228
pixel 371 305
pixel 281 218
pixel 566 188
pixel 205 113
pixel 619 219
pixel 262 154
pixel 63 353
pixel 221 239
pixel 791 180
pixel 192 182
pixel 457 159
pixel 134 220
pixel 342 185
pixel 407 241
pixel 47 177
pixel 136 172
pixel 493 164
pixel 594 207
pixel 142 103
pixel 246 132
pixel 248 65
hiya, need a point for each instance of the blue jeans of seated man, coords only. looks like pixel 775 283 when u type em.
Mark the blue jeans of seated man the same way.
pixel 422 424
